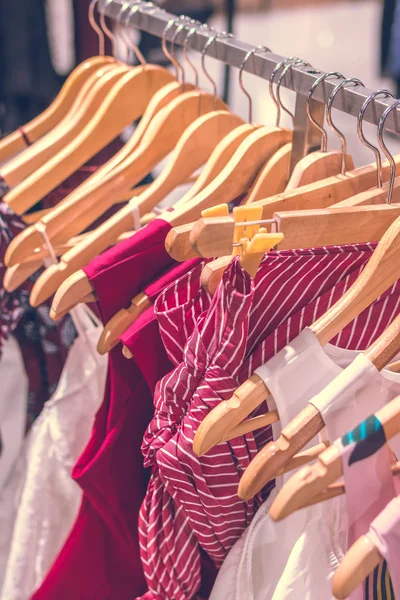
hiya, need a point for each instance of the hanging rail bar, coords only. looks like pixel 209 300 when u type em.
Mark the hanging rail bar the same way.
pixel 232 51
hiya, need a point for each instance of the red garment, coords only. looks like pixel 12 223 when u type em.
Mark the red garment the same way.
pixel 101 560
pixel 191 502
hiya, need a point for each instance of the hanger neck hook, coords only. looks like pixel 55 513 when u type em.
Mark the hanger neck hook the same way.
pixel 177 31
pixel 276 69
pixel 209 42
pixel 385 150
pixel 331 99
pixel 107 30
pixel 375 150
pixel 96 27
pixel 123 29
pixel 317 82
pixel 296 62
pixel 186 46
pixel 249 54
pixel 175 64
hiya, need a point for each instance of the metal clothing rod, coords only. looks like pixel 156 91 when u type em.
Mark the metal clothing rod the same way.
pixel 232 52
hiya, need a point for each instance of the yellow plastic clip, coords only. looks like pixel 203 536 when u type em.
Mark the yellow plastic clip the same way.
pixel 240 215
pixel 221 210
pixel 252 251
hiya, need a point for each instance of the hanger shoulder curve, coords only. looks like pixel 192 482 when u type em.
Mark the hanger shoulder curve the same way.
pixel 274 177
pixel 317 166
pixel 359 561
pixel 87 102
pixel 124 104
pixel 35 129
pixel 78 285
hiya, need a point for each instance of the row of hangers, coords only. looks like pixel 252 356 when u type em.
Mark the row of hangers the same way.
pixel 325 200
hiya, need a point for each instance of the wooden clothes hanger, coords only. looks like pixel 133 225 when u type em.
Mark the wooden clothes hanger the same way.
pixel 310 484
pixel 80 211
pixel 360 560
pixel 17 141
pixel 379 274
pixel 229 184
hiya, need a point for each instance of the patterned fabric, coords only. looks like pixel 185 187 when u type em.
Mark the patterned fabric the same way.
pixel 191 500
pixel 364 451
pixel 44 344
pixel 384 532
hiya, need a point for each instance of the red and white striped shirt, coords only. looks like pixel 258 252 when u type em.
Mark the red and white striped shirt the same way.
pixel 191 505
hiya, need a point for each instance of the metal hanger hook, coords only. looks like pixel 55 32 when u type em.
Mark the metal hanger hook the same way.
pixel 375 150
pixel 167 53
pixel 324 142
pixel 177 31
pixel 208 43
pixel 121 29
pixel 279 66
pixel 385 150
pixel 96 27
pixel 294 63
pixel 192 31
pixel 340 135
pixel 107 30
pixel 246 93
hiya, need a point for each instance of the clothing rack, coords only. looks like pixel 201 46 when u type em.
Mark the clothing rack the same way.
pixel 298 78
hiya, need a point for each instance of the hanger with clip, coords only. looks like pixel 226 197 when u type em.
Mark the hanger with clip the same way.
pixel 18 141
pixel 87 102
pixel 317 165
pixel 221 423
pixel 84 207
pixel 312 483
pixel 123 104
pixel 243 166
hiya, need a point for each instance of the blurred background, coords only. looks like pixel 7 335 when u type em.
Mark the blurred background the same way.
pixel 42 40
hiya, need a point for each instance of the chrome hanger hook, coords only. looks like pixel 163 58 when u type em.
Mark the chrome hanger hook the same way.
pixel 271 86
pixel 107 30
pixel 171 58
pixel 177 31
pixel 375 150
pixel 295 62
pixel 385 150
pixel 208 43
pixel 340 135
pixel 246 93
pixel 324 142
pixel 186 46
pixel 96 27
pixel 125 35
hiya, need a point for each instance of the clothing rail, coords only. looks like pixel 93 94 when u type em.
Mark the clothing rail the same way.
pixel 262 63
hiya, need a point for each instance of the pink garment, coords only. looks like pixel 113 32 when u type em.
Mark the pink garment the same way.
pixel 368 482
pixel 384 532
pixel 191 505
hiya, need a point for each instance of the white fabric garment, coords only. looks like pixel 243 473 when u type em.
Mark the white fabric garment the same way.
pixel 13 407
pixel 48 498
pixel 295 558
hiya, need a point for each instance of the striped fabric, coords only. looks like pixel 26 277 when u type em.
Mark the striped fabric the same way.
pixel 191 505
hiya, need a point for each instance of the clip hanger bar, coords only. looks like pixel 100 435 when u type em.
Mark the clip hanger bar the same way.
pixel 231 51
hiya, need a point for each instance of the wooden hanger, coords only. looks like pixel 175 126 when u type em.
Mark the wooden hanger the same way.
pixel 360 560
pixel 313 480
pixel 379 274
pixel 125 317
pixel 87 102
pixel 124 104
pixel 148 155
pixel 53 114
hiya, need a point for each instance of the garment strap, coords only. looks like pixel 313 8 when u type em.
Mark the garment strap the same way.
pixel 135 212
pixel 25 136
